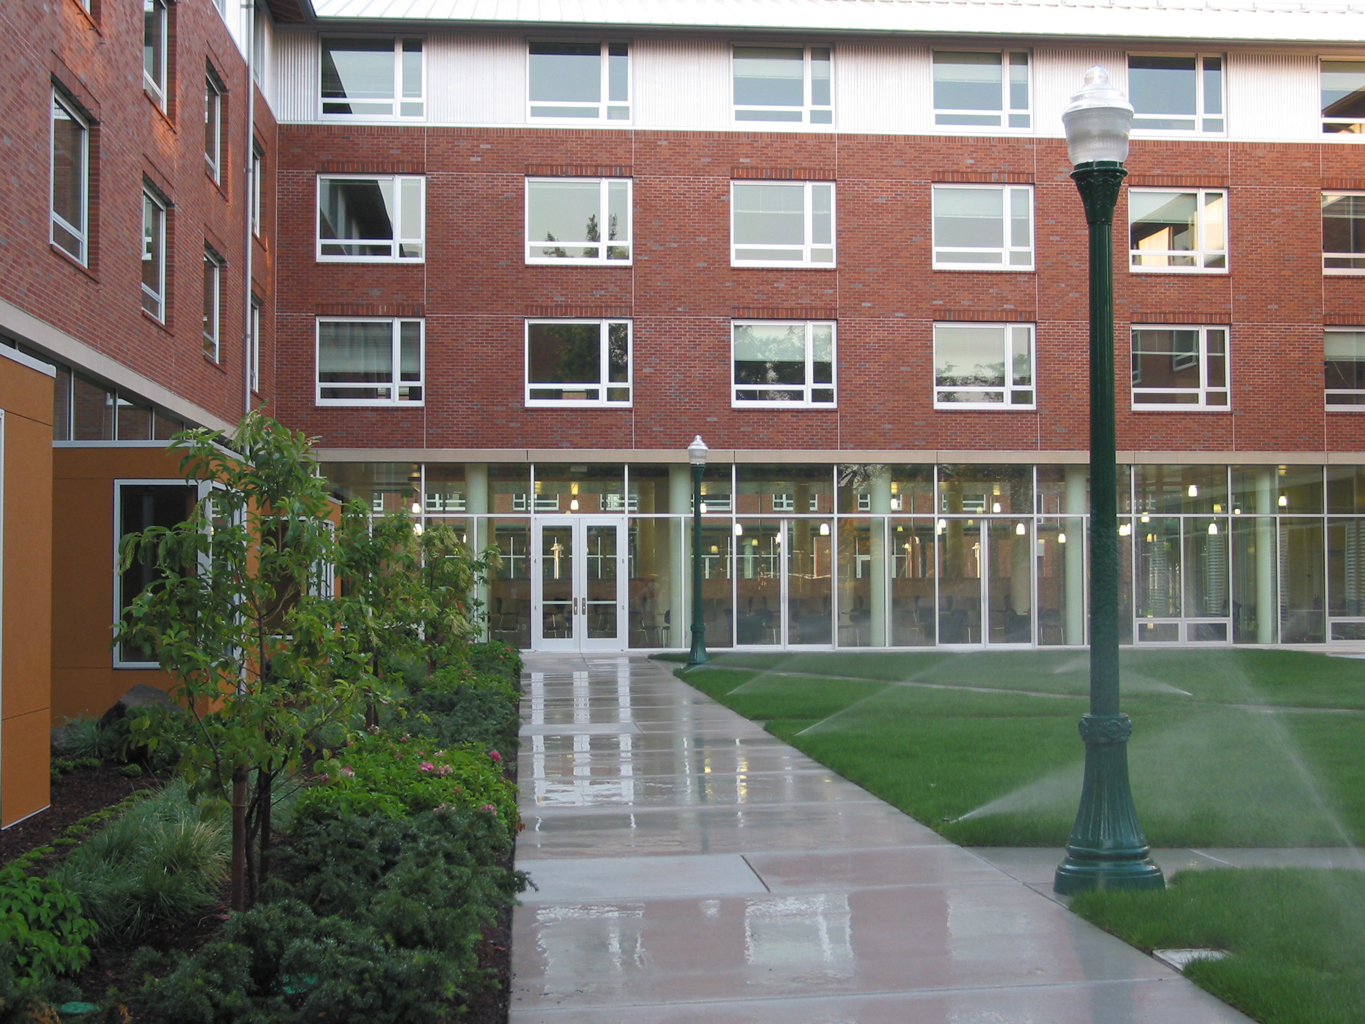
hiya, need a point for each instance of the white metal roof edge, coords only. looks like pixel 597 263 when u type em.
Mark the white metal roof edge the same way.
pixel 1328 21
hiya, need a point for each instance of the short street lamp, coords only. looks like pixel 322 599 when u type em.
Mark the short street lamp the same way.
pixel 1107 848
pixel 696 454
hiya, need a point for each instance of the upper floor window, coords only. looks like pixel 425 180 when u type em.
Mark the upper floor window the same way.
pixel 578 220
pixel 1176 94
pixel 783 363
pixel 155 37
pixel 987 90
pixel 983 227
pixel 783 83
pixel 1343 232
pixel 578 362
pixel 1180 367
pixel 372 78
pixel 1343 97
pixel 257 169
pixel 983 366
pixel 579 81
pixel 253 353
pixel 153 254
pixel 213 302
pixel 1344 362
pixel 370 361
pixel 1179 232
pixel 213 126
pixel 70 179
pixel 369 219
pixel 782 224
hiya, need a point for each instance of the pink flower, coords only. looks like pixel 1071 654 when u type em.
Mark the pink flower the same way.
pixel 439 753
pixel 444 770
pixel 403 738
pixel 494 755
pixel 426 766
pixel 489 807
pixel 348 771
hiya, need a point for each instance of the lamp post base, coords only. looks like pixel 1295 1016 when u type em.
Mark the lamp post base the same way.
pixel 697 656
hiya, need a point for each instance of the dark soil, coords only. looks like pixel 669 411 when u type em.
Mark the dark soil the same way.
pixel 74 796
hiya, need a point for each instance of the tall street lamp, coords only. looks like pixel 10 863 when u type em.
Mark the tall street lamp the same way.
pixel 696 455
pixel 1107 848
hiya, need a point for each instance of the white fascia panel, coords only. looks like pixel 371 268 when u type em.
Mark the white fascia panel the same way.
pixel 1274 97
pixel 883 87
pixel 681 83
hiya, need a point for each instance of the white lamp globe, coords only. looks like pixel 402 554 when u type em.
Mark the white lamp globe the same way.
pixel 1098 121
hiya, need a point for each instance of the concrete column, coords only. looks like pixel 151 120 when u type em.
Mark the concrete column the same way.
pixel 879 486
pixel 1267 595
pixel 475 503
pixel 679 546
pixel 1077 504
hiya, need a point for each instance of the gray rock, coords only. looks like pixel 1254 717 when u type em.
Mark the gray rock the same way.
pixel 140 696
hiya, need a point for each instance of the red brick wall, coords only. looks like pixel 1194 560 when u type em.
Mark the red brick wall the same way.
pixel 475 291
pixel 98 60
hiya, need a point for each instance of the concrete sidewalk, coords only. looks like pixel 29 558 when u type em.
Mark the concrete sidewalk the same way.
pixel 692 867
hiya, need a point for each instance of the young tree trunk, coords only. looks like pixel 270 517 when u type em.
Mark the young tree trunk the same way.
pixel 266 787
pixel 239 840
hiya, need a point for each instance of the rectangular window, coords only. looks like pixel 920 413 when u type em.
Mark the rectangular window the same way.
pixel 213 302
pixel 566 219
pixel 257 169
pixel 578 362
pixel 371 219
pixel 153 254
pixel 985 90
pixel 783 363
pixel 1178 232
pixel 587 81
pixel 1343 232
pixel 154 40
pixel 1343 97
pixel 213 126
pixel 1180 367
pixel 372 78
pixel 781 224
pixel 70 179
pixel 788 84
pixel 1344 363
pixel 370 362
pixel 253 356
pixel 1176 94
pixel 137 506
pixel 983 227
pixel 983 366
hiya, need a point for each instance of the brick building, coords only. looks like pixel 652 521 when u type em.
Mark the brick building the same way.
pixel 506 260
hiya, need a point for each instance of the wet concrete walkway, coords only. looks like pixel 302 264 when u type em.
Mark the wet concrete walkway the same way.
pixel 693 868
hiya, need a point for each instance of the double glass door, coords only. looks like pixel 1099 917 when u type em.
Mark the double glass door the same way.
pixel 578 583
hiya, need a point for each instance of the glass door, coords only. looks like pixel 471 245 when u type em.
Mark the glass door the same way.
pixel 578 580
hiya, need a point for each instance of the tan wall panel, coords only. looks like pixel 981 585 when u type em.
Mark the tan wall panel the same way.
pixel 28 565
pixel 24 774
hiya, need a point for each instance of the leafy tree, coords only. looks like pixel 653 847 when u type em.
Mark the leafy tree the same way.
pixel 243 617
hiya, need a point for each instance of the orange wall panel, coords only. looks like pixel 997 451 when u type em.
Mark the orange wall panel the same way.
pixel 25 784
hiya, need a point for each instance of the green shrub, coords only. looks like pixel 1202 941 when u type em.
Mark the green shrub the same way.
pixel 467 708
pixel 24 1001
pixel 63 765
pixel 41 920
pixel 85 737
pixel 379 775
pixel 497 656
pixel 162 861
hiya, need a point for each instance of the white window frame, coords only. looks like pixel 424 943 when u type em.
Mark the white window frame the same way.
pixel 213 303
pixel 1201 116
pixel 1011 387
pixel 806 247
pixel 213 121
pixel 253 356
pixel 1204 391
pixel 819 116
pixel 603 108
pixel 1007 112
pixel 603 384
pixel 395 383
pixel 395 243
pixel 157 85
pixel 1356 394
pixel 1359 257
pixel 398 100
pixel 82 235
pixel 1007 193
pixel 1343 134
pixel 1202 254
pixel 156 298
pixel 809 386
pixel 257 171
pixel 603 217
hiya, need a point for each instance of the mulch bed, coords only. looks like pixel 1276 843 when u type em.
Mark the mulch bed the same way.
pixel 87 790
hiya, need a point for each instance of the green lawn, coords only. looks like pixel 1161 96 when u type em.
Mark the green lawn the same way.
pixel 1220 756
pixel 1296 937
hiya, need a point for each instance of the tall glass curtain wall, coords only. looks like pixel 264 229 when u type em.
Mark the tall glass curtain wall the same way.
pixel 904 555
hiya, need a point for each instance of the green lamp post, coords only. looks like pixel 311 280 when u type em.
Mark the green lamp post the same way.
pixel 696 455
pixel 1107 848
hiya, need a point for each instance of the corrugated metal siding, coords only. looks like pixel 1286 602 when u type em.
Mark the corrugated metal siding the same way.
pixel 296 76
pixel 1059 74
pixel 681 83
pixel 476 79
pixel 882 88
pixel 1271 96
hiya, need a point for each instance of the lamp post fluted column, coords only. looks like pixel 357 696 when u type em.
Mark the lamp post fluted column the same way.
pixel 1107 848
pixel 696 454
